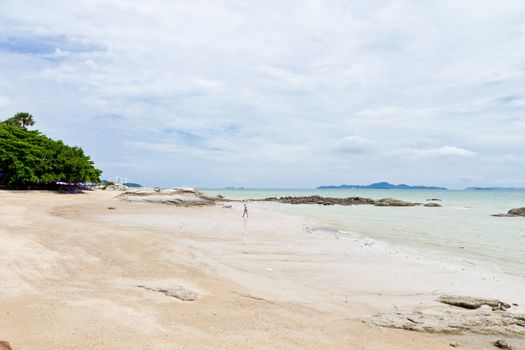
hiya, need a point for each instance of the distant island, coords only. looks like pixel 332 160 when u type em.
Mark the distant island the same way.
pixel 381 186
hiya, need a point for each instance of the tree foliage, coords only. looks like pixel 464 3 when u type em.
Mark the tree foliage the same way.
pixel 27 157
pixel 21 120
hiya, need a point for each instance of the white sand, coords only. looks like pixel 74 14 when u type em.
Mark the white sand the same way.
pixel 70 268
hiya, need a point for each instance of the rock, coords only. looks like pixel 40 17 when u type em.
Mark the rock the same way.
pixel 178 292
pixel 454 345
pixel 116 187
pixel 321 200
pixel 179 200
pixel 517 211
pixel 227 206
pixel 5 345
pixel 432 205
pixel 473 303
pixel 111 208
pixel 456 321
pixel 502 344
pixel 181 293
pixel 434 199
pixel 175 196
pixel 512 213
pixel 390 202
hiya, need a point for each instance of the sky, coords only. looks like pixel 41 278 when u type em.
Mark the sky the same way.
pixel 275 94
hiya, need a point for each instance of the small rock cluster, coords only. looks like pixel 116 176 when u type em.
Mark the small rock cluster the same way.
pixel 512 213
pixel 384 202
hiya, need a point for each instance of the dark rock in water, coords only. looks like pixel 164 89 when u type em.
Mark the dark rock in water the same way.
pixel 517 211
pixel 512 213
pixel 321 200
pixel 385 202
pixel 473 303
pixel 434 199
pixel 432 205
pixel 390 202
pixel 502 344
pixel 5 345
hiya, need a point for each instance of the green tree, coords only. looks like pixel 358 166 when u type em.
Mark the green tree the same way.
pixel 21 119
pixel 27 157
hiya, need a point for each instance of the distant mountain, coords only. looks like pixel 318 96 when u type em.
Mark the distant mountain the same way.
pixel 494 189
pixel 381 186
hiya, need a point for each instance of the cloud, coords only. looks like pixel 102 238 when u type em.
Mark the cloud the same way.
pixel 216 87
pixel 353 145
pixel 441 152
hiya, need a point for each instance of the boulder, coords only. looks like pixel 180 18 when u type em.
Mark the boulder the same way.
pixel 517 211
pixel 473 303
pixel 390 202
pixel 179 200
pixel 453 322
pixel 512 213
pixel 116 187
pixel 175 196
pixel 432 205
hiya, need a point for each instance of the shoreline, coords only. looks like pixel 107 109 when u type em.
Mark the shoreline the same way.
pixel 313 290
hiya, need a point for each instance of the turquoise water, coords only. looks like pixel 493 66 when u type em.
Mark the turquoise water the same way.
pixel 463 228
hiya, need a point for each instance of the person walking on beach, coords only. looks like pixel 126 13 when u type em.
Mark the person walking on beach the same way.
pixel 245 212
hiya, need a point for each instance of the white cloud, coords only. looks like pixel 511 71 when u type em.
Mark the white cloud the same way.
pixel 445 152
pixel 354 145
pixel 290 85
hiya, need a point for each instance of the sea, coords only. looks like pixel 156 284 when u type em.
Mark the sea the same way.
pixel 462 229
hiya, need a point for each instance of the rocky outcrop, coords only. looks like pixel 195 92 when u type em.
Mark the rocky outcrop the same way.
pixel 322 200
pixel 454 322
pixel 385 202
pixel 390 202
pixel 116 187
pixel 178 292
pixel 432 205
pixel 473 303
pixel 512 213
pixel 466 315
pixel 174 196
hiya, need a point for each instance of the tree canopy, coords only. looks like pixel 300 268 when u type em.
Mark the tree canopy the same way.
pixel 29 158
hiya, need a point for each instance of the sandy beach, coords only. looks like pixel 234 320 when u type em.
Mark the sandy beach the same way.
pixel 78 275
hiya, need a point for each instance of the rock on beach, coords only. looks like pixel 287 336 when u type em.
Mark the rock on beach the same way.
pixel 175 196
